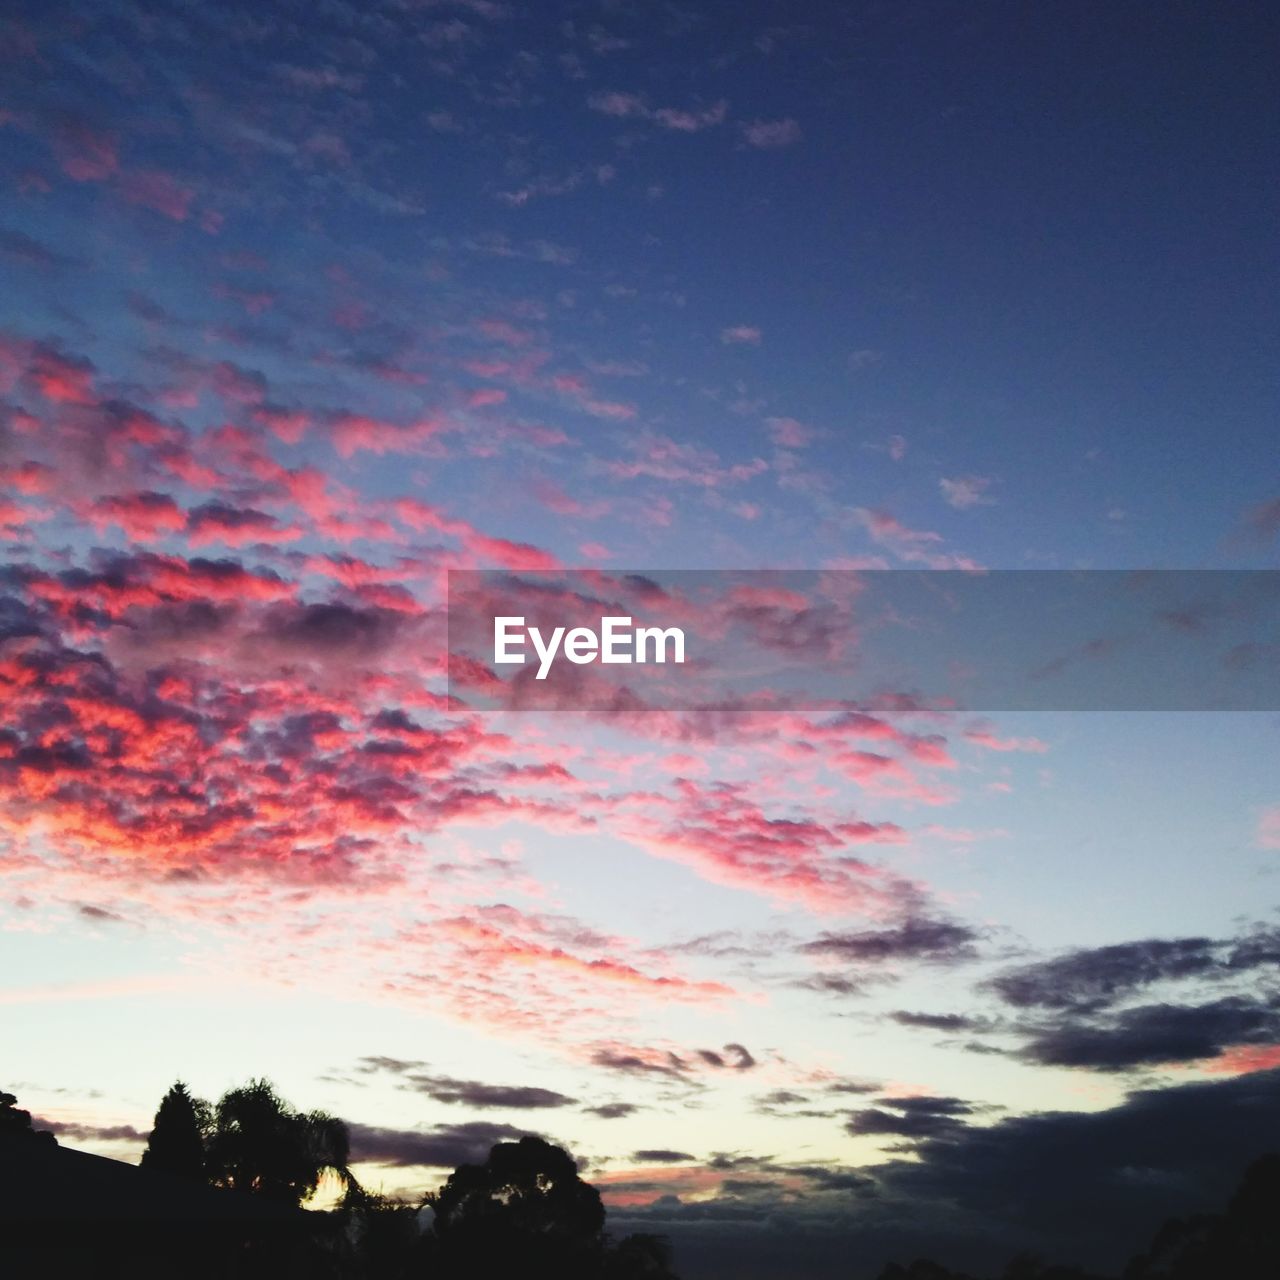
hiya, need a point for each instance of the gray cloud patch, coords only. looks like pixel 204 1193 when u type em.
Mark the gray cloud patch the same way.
pixel 471 1093
pixel 936 941
pixel 443 1147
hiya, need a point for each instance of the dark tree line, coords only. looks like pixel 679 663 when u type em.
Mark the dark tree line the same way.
pixel 252 1140
pixel 525 1211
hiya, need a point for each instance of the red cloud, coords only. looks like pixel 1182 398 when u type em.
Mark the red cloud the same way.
pixel 726 836
pixel 141 516
pixel 354 433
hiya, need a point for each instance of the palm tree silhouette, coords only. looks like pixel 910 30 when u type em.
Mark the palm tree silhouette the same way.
pixel 260 1144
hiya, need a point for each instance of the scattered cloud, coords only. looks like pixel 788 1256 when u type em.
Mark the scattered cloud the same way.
pixel 964 492
pixel 771 135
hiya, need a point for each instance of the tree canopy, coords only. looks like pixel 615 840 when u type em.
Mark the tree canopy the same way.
pixel 526 1211
pixel 16 1123
pixel 260 1144
pixel 529 1186
pixel 177 1140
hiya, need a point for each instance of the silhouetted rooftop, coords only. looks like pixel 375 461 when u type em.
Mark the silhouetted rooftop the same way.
pixel 44 1183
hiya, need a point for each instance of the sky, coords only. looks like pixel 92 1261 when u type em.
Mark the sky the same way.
pixel 306 305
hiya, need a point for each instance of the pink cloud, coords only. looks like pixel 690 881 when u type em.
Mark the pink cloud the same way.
pixel 1268 833
pixel 356 433
pixel 141 516
pixel 913 546
pixel 787 433
pixel 511 555
pixel 661 458
pixel 685 121
pixel 56 376
pixel 1244 1059
pixel 288 425
pixel 741 335
pixel 564 504
pixel 86 154
pixel 983 736
pixel 720 832
pixel 622 105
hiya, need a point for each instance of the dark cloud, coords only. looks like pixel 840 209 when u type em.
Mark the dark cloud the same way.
pixel 834 1178
pixel 1155 1034
pixel 1091 978
pixel 1092 1185
pixel 936 1021
pixel 613 1110
pixel 634 1064
pixel 381 1062
pixel 823 1103
pixel 736 1160
pixel 662 1156
pixel 932 941
pixel 835 984
pixel 444 1147
pixel 748 1186
pixel 471 1093
pixel 220 518
pixel 1075 1008
pixel 920 1117
pixel 99 915
pixel 1082 1188
pixel 1253 950
pixel 329 630
pixel 68 1130
pixel 781 1098
pixel 735 1056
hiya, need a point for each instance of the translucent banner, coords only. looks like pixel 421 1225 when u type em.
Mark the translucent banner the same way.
pixel 1002 640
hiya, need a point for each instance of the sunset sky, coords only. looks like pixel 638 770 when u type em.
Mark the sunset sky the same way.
pixel 306 304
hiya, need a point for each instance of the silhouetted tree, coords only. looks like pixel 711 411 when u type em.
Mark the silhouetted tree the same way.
pixel 177 1140
pixel 383 1236
pixel 260 1144
pixel 1241 1244
pixel 15 1124
pixel 528 1184
pixel 525 1212
pixel 641 1256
